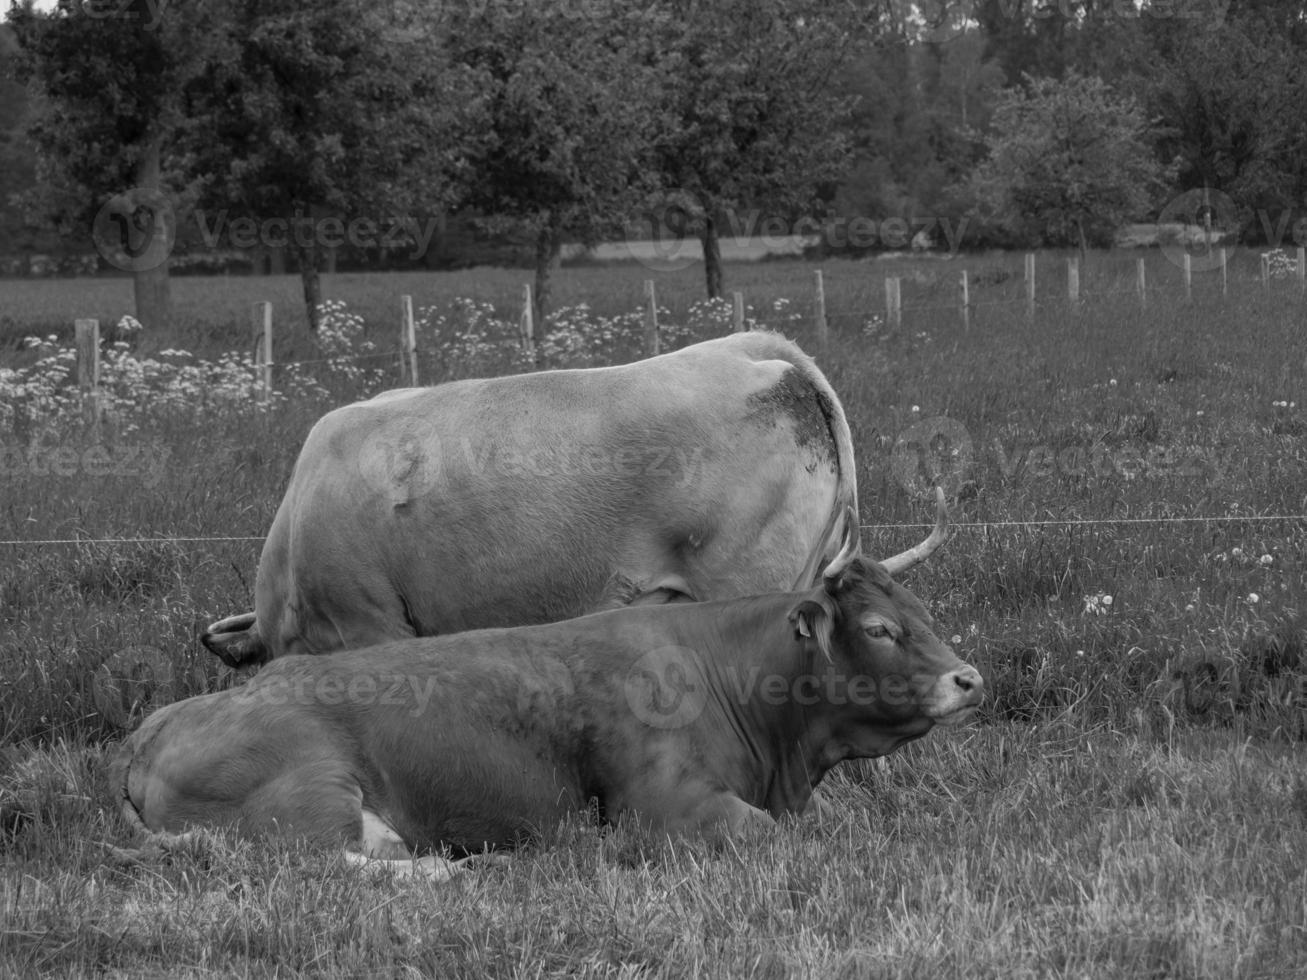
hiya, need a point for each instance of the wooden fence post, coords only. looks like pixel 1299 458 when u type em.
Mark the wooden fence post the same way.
pixel 408 341
pixel 1225 278
pixel 1302 268
pixel 893 301
pixel 1141 284
pixel 1266 270
pixel 650 319
pixel 1073 280
pixel 966 301
pixel 527 324
pixel 1030 285
pixel 263 348
pixel 1188 275
pixel 737 313
pixel 87 333
pixel 819 312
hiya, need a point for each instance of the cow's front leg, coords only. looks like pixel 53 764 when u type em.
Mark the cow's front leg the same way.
pixel 722 815
pixel 431 866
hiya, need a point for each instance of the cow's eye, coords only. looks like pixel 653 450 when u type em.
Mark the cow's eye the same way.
pixel 877 631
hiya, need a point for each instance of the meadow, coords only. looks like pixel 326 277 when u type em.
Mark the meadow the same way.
pixel 1127 484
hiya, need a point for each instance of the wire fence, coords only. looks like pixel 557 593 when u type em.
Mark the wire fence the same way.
pixel 407 357
pixel 961 525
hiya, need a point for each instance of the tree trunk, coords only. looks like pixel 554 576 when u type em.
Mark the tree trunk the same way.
pixel 549 246
pixel 152 293
pixel 712 256
pixel 307 253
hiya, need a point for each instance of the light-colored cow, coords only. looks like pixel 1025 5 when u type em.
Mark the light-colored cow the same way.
pixel 689 718
pixel 714 471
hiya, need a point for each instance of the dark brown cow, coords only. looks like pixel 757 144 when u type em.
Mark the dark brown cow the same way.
pixel 688 718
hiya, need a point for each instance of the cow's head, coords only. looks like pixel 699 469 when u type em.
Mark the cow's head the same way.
pixel 889 678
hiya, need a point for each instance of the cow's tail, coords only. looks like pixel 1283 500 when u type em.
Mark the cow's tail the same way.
pixel 832 534
pixel 155 842
pixel 236 641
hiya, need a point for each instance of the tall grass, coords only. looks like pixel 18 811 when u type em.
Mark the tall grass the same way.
pixel 1130 804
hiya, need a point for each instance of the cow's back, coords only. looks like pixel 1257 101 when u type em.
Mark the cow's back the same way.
pixel 527 499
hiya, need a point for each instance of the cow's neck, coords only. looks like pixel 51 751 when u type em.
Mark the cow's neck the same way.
pixel 756 670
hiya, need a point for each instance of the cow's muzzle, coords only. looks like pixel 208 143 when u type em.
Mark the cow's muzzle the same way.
pixel 955 696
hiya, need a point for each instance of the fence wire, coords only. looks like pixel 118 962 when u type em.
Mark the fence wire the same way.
pixel 962 525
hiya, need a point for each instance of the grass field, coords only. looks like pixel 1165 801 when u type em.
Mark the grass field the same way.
pixel 1132 801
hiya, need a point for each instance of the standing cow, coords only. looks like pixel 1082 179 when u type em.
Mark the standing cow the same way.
pixel 718 470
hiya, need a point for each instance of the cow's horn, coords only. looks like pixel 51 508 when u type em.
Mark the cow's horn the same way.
pixel 919 553
pixel 850 549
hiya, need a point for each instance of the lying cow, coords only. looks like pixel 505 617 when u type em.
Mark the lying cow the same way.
pixel 714 471
pixel 688 718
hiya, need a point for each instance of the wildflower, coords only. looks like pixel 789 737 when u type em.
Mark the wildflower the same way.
pixel 1189 608
pixel 1098 604
pixel 1253 598
pixel 955 639
pixel 916 409
pixel 1201 413
pixel 1080 653
pixel 1112 382
pixel 1265 560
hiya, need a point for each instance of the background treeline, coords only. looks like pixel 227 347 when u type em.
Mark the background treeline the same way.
pixel 508 129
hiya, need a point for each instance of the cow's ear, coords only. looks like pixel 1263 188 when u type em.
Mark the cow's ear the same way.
pixel 813 619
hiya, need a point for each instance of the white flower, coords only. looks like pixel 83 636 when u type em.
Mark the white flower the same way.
pixel 1112 382
pixel 1265 560
pixel 1200 412
pixel 1080 653
pixel 1236 551
pixel 1189 608
pixel 955 639
pixel 916 408
pixel 1098 604
pixel 1253 598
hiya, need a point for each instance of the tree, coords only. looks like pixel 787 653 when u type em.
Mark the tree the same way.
pixel 572 109
pixel 327 112
pixel 1069 160
pixel 107 119
pixel 1230 97
pixel 755 122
